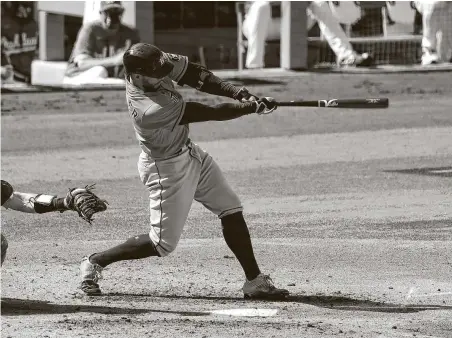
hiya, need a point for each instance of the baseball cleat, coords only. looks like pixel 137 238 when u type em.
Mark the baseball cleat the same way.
pixel 429 57
pixel 262 287
pixel 358 60
pixel 90 273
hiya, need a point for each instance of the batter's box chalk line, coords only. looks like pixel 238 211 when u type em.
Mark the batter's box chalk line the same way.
pixel 411 294
pixel 245 312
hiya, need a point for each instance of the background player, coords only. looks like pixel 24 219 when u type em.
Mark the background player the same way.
pixel 100 46
pixel 258 20
pixel 174 169
pixel 37 203
pixel 19 44
pixel 436 16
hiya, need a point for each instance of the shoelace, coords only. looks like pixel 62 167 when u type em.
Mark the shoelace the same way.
pixel 97 274
pixel 269 282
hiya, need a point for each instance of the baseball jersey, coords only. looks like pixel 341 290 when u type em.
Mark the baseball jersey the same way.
pixel 156 114
pixel 97 41
pixel 7 191
pixel 19 45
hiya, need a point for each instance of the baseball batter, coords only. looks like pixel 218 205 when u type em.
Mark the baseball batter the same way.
pixel 176 170
pixel 78 199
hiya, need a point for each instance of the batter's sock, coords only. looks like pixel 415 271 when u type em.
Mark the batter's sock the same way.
pixel 237 236
pixel 134 248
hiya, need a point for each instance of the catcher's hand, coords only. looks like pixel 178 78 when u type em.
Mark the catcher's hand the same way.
pixel 85 202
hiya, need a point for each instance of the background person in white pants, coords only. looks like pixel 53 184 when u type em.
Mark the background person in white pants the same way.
pixel 258 20
pixel 436 20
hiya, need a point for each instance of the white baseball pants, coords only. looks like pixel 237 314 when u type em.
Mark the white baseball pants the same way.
pixel 174 183
pixel 258 20
pixel 436 20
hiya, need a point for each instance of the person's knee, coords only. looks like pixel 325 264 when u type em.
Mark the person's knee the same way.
pixel 164 246
pixel 98 71
pixel 143 244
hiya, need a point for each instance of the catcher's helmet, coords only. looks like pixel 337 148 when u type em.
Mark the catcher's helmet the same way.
pixel 147 60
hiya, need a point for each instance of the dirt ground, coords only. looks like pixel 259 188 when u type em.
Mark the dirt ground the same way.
pixel 350 210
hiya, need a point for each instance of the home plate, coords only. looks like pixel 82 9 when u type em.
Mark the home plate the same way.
pixel 245 312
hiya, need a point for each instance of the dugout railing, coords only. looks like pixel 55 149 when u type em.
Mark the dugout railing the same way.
pixel 393 40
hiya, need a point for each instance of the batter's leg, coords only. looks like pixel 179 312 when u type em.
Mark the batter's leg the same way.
pixel 172 185
pixel 238 239
pixel 215 194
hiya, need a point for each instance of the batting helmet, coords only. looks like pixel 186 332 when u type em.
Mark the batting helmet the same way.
pixel 147 60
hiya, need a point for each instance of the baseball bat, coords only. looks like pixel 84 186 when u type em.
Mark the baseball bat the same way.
pixel 372 103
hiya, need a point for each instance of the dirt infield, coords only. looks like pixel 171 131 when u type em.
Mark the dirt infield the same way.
pixel 349 210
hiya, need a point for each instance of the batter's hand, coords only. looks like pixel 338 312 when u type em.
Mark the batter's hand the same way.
pixel 266 105
pixel 244 95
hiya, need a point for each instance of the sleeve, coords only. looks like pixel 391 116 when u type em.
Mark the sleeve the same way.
pixel 7 191
pixel 84 43
pixel 180 63
pixel 166 113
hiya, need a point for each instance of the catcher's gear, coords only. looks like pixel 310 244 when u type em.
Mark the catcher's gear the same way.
pixel 7 191
pixel 147 60
pixel 85 202
pixel 266 105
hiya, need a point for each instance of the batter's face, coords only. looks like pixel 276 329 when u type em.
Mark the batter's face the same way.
pixel 145 81
pixel 112 18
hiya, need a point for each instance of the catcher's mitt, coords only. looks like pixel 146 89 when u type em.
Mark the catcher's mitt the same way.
pixel 85 202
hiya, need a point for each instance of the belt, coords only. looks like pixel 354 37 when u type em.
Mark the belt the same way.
pixel 177 153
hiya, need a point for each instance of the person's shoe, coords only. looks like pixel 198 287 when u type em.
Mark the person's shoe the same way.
pixel 429 58
pixel 358 60
pixel 262 287
pixel 90 273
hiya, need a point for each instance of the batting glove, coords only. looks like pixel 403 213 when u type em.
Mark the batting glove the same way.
pixel 266 105
pixel 243 95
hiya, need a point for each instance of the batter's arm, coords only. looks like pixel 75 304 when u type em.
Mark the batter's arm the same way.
pixel 198 112
pixel 202 79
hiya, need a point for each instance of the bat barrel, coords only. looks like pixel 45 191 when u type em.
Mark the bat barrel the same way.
pixel 367 103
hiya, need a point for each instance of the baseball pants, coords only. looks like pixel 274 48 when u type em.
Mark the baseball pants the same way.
pixel 436 18
pixel 258 20
pixel 174 183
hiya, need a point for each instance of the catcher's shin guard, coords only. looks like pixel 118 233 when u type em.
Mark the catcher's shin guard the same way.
pixel 90 274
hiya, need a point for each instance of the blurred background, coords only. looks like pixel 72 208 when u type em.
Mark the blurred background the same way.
pixel 208 32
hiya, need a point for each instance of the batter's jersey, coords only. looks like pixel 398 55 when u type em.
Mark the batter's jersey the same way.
pixel 95 40
pixel 156 114
pixel 19 45
pixel 7 191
